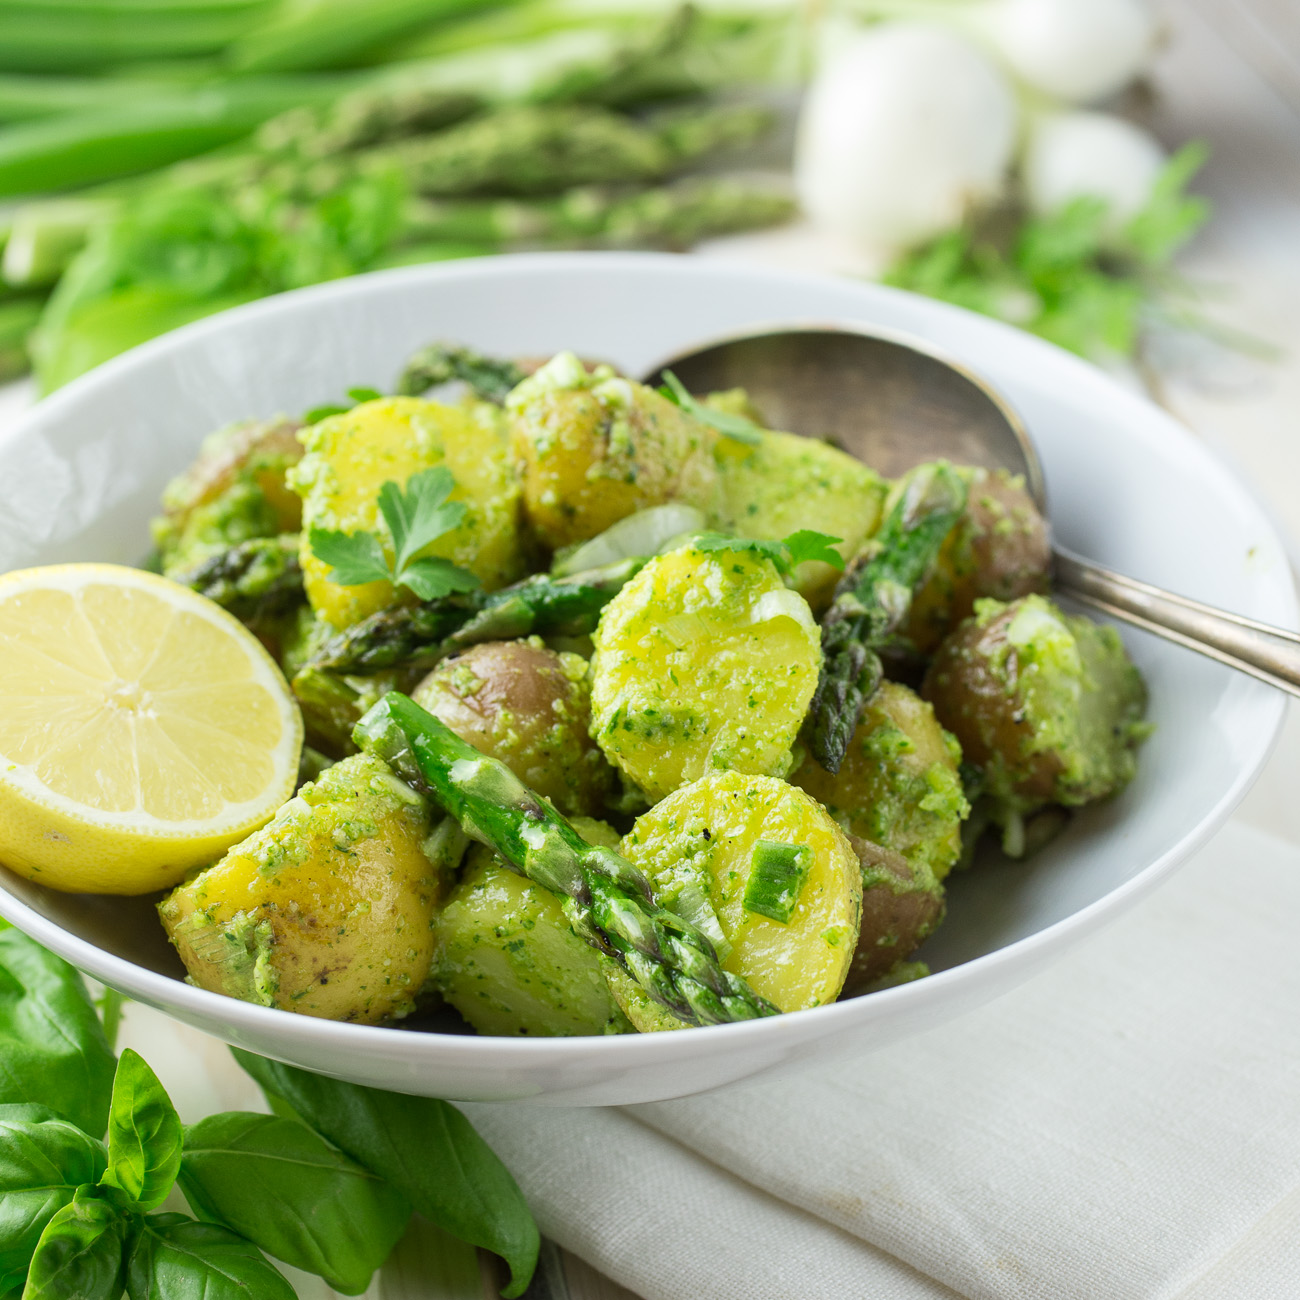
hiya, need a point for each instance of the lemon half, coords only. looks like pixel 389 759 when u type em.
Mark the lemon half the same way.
pixel 143 730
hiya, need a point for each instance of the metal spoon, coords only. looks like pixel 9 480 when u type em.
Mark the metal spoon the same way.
pixel 893 402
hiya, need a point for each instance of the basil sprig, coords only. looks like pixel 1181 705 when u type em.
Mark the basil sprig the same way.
pixel 328 1188
pixel 426 1149
pixel 52 1045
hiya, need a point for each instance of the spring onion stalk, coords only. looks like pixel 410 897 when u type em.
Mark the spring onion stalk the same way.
pixel 606 900
pixel 81 35
pixel 81 148
pixel 332 33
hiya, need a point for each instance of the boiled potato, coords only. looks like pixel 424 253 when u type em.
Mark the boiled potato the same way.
pixel 531 708
pixel 593 447
pixel 1047 705
pixel 787 483
pixel 699 849
pixel 999 548
pixel 235 491
pixel 902 904
pixel 351 456
pixel 899 785
pixel 508 961
pixel 704 661
pixel 327 910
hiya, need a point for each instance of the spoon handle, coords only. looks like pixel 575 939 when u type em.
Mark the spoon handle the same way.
pixel 1271 654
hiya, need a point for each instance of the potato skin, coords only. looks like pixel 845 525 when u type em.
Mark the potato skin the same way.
pixel 700 842
pixel 1000 548
pixel 704 661
pixel 326 911
pixel 233 492
pixel 899 785
pixel 902 905
pixel 593 447
pixel 1047 705
pixel 531 708
pixel 508 960
pixel 350 457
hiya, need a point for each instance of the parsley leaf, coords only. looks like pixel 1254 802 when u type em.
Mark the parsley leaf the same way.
pixel 416 516
pixel 432 578
pixel 421 513
pixel 727 424
pixel 356 557
pixel 807 544
pixel 1068 276
pixel 358 395
pixel 793 550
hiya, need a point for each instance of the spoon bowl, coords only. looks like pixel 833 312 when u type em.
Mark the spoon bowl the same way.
pixel 895 402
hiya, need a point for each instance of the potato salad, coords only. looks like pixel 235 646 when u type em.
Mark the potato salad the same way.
pixel 623 711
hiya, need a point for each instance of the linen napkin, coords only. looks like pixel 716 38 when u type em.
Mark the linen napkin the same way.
pixel 1125 1126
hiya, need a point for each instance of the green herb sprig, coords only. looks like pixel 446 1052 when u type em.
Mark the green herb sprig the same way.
pixel 416 516
pixel 358 395
pixel 1069 276
pixel 727 423
pixel 787 554
pixel 327 1184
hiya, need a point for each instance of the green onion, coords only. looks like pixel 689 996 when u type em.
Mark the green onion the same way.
pixel 332 33
pixel 81 148
pixel 776 875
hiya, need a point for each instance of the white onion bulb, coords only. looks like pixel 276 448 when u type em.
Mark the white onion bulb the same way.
pixel 1069 155
pixel 1073 50
pixel 905 128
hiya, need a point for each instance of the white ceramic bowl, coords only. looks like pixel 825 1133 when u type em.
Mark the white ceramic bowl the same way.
pixel 80 478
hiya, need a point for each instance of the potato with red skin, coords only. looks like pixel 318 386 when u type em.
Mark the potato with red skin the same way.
pixel 902 905
pixel 234 491
pixel 1046 705
pixel 530 707
pixel 1000 548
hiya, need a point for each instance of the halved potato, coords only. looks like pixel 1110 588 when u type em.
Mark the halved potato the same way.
pixel 327 910
pixel 351 456
pixel 701 849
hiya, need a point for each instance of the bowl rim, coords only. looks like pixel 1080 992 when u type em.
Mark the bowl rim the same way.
pixel 238 1018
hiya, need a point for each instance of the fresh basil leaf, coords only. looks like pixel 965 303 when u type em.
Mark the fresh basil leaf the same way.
pixel 174 1258
pixel 144 1135
pixel 287 1190
pixel 79 1255
pixel 426 1149
pixel 726 423
pixel 43 1160
pixel 356 558
pixel 360 395
pixel 809 545
pixel 420 513
pixel 432 578
pixel 52 1045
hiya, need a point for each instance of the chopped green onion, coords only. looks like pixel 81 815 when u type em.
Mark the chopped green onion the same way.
pixel 776 876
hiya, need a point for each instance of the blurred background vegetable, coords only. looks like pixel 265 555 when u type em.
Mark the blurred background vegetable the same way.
pixel 164 159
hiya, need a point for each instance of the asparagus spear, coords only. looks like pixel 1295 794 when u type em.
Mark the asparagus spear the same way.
pixel 418 636
pixel 873 599
pixel 605 898
pixel 673 216
pixel 489 377
pixel 253 579
pixel 546 149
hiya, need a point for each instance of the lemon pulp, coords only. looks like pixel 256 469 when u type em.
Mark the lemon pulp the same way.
pixel 142 729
